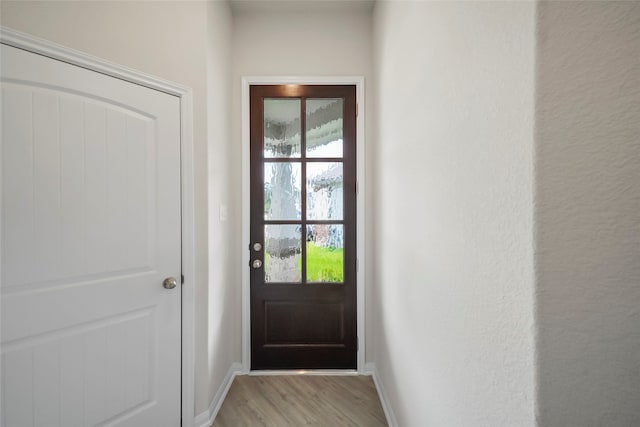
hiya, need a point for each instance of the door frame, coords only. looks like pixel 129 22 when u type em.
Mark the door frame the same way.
pixel 53 50
pixel 359 83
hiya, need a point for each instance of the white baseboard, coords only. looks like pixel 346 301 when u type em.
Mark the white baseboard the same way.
pixel 370 369
pixel 205 419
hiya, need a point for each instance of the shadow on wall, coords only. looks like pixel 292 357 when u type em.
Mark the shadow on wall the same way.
pixel 588 195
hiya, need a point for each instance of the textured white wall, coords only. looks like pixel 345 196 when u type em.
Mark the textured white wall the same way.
pixel 453 299
pixel 588 213
pixel 304 39
pixel 178 41
pixel 224 332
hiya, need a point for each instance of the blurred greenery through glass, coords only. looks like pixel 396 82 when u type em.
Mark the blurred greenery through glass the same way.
pixel 323 264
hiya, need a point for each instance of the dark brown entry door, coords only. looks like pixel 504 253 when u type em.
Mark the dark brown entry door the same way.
pixel 303 227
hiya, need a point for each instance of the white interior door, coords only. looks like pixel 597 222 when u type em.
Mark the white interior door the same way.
pixel 90 229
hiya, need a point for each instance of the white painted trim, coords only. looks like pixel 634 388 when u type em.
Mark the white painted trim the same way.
pixel 61 53
pixel 66 54
pixel 361 218
pixel 358 81
pixel 188 260
pixel 246 219
pixel 206 418
pixel 370 369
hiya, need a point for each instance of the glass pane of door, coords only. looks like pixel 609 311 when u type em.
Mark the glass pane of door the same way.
pixel 282 191
pixel 281 128
pixel 325 253
pixel 324 127
pixel 282 262
pixel 325 197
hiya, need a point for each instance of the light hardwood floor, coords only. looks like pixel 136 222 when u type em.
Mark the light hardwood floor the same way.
pixel 296 400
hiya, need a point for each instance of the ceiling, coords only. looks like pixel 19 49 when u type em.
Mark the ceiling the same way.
pixel 243 6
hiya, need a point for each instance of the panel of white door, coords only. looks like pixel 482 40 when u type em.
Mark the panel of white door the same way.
pixel 90 229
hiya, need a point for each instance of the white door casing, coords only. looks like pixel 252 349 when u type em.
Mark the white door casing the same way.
pixel 90 228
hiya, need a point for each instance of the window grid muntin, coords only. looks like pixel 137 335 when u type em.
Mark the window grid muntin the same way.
pixel 303 222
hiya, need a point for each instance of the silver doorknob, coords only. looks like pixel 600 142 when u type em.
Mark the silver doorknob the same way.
pixel 169 283
pixel 256 263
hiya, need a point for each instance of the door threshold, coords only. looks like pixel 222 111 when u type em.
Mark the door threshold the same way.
pixel 322 372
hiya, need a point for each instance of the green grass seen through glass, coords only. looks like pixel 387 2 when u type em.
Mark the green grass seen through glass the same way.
pixel 323 264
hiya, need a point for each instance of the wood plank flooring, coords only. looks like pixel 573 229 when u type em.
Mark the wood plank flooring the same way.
pixel 296 400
